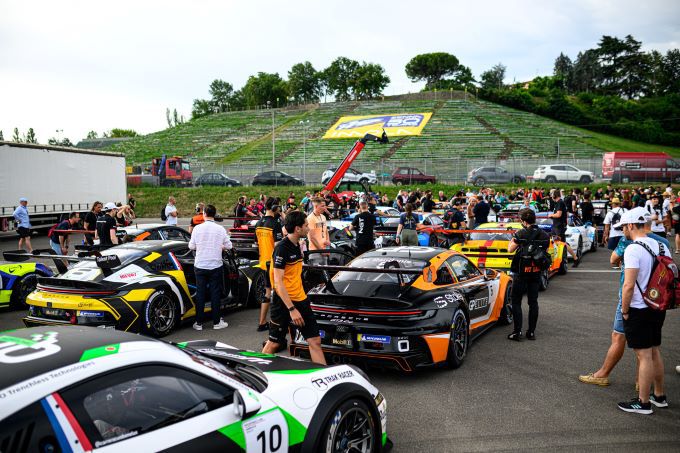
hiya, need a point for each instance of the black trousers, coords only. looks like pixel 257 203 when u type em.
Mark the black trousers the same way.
pixel 209 283
pixel 525 283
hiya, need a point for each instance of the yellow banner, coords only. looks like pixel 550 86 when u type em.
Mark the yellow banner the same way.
pixel 396 125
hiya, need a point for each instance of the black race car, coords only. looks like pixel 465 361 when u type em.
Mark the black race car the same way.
pixel 146 286
pixel 405 307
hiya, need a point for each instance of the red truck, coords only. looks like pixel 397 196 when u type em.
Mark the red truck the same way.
pixel 165 171
pixel 410 175
pixel 627 167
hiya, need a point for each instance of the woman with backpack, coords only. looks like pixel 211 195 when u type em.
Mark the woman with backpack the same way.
pixel 406 231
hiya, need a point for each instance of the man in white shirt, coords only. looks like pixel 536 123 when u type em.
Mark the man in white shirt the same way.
pixel 656 210
pixel 641 324
pixel 611 236
pixel 171 212
pixel 209 239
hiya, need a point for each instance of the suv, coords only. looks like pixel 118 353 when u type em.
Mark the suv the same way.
pixel 482 175
pixel 351 175
pixel 410 175
pixel 563 173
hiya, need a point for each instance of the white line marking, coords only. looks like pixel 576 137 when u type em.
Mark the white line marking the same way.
pixel 618 271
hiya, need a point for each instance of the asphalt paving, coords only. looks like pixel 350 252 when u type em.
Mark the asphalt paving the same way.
pixel 510 396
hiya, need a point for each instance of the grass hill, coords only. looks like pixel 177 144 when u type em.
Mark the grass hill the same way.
pixel 458 129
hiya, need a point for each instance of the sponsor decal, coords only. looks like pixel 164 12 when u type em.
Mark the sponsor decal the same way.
pixel 322 383
pixel 448 299
pixel 342 341
pixel 396 125
pixel 476 304
pixel 101 443
pixel 90 314
pixel 128 275
pixel 374 338
pixel 28 385
pixel 20 350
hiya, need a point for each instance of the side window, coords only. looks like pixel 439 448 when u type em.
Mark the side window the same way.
pixel 29 430
pixel 142 399
pixel 154 236
pixel 558 167
pixel 435 220
pixel 417 172
pixel 671 164
pixel 444 276
pixel 462 268
pixel 175 235
pixel 172 164
pixel 403 171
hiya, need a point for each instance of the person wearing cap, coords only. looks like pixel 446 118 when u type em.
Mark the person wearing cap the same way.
pixel 610 236
pixel 23 224
pixel 106 225
pixel 198 218
pixel 642 325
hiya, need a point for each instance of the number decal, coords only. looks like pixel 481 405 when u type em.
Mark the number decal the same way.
pixel 267 433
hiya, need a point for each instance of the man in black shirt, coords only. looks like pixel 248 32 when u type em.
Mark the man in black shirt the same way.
pixel 559 217
pixel 587 208
pixel 363 224
pixel 90 221
pixel 428 203
pixel 454 219
pixel 106 225
pixel 526 274
pixel 481 211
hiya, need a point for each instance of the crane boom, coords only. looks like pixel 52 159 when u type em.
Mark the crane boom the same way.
pixel 351 155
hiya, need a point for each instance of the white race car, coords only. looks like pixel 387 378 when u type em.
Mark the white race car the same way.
pixel 82 388
pixel 581 237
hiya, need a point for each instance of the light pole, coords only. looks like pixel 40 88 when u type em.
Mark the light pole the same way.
pixel 269 106
pixel 304 123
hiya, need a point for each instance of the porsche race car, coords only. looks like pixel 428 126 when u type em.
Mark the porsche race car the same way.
pixel 18 280
pixel 405 307
pixel 581 237
pixel 146 286
pixel 80 389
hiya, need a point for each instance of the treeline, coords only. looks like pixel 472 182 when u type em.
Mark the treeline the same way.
pixel 615 88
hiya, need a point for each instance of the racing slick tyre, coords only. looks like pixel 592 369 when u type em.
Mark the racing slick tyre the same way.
pixel 161 313
pixel 258 291
pixel 458 340
pixel 25 287
pixel 350 426
pixel 479 182
pixel 585 180
pixel 563 265
pixel 550 179
pixel 544 281
pixel 505 317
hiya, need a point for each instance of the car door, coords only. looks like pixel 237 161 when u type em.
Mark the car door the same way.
pixel 474 286
pixel 573 173
pixel 151 407
pixel 416 175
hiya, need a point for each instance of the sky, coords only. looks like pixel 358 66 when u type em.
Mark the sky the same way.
pixel 68 67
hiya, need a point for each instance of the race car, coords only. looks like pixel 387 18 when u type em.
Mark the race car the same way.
pixel 76 388
pixel 490 249
pixel 581 237
pixel 146 286
pixel 18 281
pixel 154 232
pixel 510 211
pixel 431 231
pixel 405 307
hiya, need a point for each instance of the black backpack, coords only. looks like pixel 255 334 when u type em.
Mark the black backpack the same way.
pixel 616 217
pixel 163 216
pixel 532 255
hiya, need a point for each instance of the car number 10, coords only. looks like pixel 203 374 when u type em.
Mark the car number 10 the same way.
pixel 266 433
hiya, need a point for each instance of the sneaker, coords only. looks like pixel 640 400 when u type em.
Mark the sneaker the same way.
pixel 198 326
pixel 531 336
pixel 263 327
pixel 658 401
pixel 515 336
pixel 220 325
pixel 591 379
pixel 616 268
pixel 636 406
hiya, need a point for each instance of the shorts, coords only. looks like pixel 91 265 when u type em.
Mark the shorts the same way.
pixel 280 320
pixel 613 242
pixel 24 232
pixel 643 327
pixel 618 320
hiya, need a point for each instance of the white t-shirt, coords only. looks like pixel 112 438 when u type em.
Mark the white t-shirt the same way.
pixel 172 220
pixel 657 225
pixel 608 221
pixel 637 257
pixel 209 239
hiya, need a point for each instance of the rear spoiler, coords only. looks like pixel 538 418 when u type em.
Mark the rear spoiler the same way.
pixel 104 262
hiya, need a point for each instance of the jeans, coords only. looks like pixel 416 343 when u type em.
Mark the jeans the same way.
pixel 212 280
pixel 56 247
pixel 522 284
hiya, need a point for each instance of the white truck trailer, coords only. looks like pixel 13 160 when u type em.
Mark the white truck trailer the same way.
pixel 56 181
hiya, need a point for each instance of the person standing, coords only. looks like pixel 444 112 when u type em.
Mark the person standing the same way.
pixel 641 324
pixel 363 223
pixel 198 218
pixel 656 210
pixel 209 240
pixel 23 224
pixel 290 304
pixel 587 208
pixel 90 222
pixel 131 202
pixel 428 203
pixel 481 211
pixel 675 223
pixel 318 232
pixel 268 233
pixel 612 236
pixel 60 241
pixel 526 273
pixel 559 216
pixel 106 225
pixel 408 224
pixel 171 212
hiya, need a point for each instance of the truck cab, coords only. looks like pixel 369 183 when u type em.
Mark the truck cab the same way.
pixel 172 171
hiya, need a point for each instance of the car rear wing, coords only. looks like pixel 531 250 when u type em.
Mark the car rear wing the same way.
pixel 104 262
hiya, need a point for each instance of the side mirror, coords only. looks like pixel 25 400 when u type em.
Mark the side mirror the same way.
pixel 245 408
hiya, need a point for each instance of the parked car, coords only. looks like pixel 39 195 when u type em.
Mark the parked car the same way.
pixel 276 178
pixel 627 167
pixel 216 179
pixel 351 175
pixel 410 175
pixel 563 173
pixel 482 175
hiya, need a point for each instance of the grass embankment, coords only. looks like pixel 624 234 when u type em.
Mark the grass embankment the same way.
pixel 150 200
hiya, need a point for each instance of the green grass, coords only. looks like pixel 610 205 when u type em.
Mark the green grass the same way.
pixel 614 143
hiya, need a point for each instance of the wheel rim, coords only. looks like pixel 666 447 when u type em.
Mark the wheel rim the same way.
pixel 162 313
pixel 353 432
pixel 28 285
pixel 459 336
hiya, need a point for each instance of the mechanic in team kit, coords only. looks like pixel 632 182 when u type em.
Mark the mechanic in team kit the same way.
pixel 290 304
pixel 363 223
pixel 106 225
pixel 198 218
pixel 268 233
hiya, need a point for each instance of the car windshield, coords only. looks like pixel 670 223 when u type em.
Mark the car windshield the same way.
pixel 378 262
pixel 186 166
pixel 481 235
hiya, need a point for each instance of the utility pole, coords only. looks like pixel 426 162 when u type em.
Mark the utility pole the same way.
pixel 304 149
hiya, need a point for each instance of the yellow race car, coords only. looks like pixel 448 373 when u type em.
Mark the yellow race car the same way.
pixel 487 246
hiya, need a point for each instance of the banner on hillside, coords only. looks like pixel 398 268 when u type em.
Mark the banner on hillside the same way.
pixel 395 125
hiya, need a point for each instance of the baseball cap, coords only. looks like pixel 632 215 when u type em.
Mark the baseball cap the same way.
pixel 109 206
pixel 22 199
pixel 635 215
pixel 616 200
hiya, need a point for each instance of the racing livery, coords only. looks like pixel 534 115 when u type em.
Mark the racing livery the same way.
pixel 146 286
pixel 79 389
pixel 580 236
pixel 405 307
pixel 18 280
pixel 490 249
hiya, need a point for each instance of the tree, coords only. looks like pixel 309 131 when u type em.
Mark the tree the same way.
pixel 670 72
pixel 587 71
pixel 30 136
pixel 91 135
pixel 265 87
pixel 55 142
pixel 2 138
pixel 201 107
pixel 339 78
pixel 167 117
pixel 493 78
pixel 369 81
pixel 432 67
pixel 564 71
pixel 304 83
pixel 221 93
pixel 176 118
pixel 120 133
pixel 16 138
pixel 623 66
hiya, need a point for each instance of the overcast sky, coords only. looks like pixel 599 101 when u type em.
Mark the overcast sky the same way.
pixel 96 65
